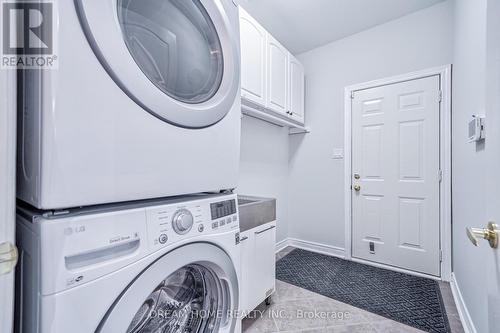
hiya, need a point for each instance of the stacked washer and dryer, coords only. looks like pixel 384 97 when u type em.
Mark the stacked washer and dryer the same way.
pixel 128 157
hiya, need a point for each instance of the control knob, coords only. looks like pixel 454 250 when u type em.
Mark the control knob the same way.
pixel 182 222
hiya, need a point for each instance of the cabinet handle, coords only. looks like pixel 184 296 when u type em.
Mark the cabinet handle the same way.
pixel 262 231
pixel 243 239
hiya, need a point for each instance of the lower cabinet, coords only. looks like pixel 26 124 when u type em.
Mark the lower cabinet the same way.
pixel 258 265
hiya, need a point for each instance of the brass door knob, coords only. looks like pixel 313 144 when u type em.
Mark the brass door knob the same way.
pixel 357 188
pixel 490 234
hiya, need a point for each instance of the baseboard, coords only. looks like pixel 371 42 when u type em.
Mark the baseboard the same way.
pixel 311 246
pixel 281 245
pixel 465 317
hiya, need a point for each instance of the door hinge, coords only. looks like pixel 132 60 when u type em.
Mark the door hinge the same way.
pixel 352 94
pixel 440 98
pixel 8 257
pixel 440 256
pixel 440 175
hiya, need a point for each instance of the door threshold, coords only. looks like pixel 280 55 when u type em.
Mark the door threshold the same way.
pixel 396 269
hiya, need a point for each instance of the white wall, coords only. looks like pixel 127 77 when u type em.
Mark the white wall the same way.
pixel 264 166
pixel 316 181
pixel 476 184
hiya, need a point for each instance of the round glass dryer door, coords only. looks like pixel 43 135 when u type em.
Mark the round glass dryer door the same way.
pixel 176 45
pixel 172 296
pixel 178 59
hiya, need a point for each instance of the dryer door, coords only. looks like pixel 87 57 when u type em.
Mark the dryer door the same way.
pixel 178 59
pixel 191 289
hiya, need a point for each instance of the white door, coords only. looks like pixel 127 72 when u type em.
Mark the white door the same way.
pixel 277 76
pixel 265 247
pixel 258 265
pixel 488 257
pixel 296 104
pixel 395 175
pixel 7 197
pixel 253 59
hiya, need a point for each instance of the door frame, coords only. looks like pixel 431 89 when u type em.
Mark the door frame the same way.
pixel 444 73
pixel 7 187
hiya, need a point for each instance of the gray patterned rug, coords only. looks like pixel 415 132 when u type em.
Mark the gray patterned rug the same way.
pixel 408 299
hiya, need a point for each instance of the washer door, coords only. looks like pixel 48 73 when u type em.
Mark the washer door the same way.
pixel 191 289
pixel 178 59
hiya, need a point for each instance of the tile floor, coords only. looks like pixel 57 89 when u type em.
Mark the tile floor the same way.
pixel 298 310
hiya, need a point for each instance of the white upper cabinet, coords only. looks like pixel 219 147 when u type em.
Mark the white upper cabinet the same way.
pixel 277 76
pixel 253 59
pixel 272 79
pixel 297 88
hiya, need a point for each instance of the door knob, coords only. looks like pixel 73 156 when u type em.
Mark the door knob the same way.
pixel 8 258
pixel 490 234
pixel 357 188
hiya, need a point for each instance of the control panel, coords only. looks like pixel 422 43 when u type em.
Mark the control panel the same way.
pixel 75 247
pixel 174 222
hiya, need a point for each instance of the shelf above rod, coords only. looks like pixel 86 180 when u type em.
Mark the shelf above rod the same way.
pixel 275 120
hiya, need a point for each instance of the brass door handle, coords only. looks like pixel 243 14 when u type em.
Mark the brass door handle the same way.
pixel 490 234
pixel 357 188
pixel 8 257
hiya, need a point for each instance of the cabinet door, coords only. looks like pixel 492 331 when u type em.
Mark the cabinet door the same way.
pixel 277 76
pixel 297 87
pixel 247 297
pixel 265 243
pixel 253 59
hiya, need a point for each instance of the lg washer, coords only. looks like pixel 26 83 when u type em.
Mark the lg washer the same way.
pixel 157 266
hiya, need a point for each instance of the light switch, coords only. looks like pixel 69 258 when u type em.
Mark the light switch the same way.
pixel 338 154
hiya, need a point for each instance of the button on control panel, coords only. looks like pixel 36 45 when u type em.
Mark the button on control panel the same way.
pixel 163 239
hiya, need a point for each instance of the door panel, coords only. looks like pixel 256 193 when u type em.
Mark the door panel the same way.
pixel 258 265
pixel 395 152
pixel 7 193
pixel 265 243
pixel 277 76
pixel 253 59
pixel 296 103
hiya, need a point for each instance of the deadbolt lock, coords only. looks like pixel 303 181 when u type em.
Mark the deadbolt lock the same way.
pixel 357 176
pixel 490 234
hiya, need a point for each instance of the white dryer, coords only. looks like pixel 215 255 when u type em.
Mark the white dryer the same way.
pixel 154 267
pixel 145 103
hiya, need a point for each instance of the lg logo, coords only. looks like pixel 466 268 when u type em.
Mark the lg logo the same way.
pixel 27 28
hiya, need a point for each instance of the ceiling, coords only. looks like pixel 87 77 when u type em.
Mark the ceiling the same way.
pixel 303 25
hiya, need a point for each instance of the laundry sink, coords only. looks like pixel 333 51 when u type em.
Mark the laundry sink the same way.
pixel 255 211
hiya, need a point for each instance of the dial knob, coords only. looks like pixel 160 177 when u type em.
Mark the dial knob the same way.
pixel 182 222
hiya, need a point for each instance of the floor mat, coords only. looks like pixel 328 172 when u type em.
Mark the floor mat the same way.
pixel 408 299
